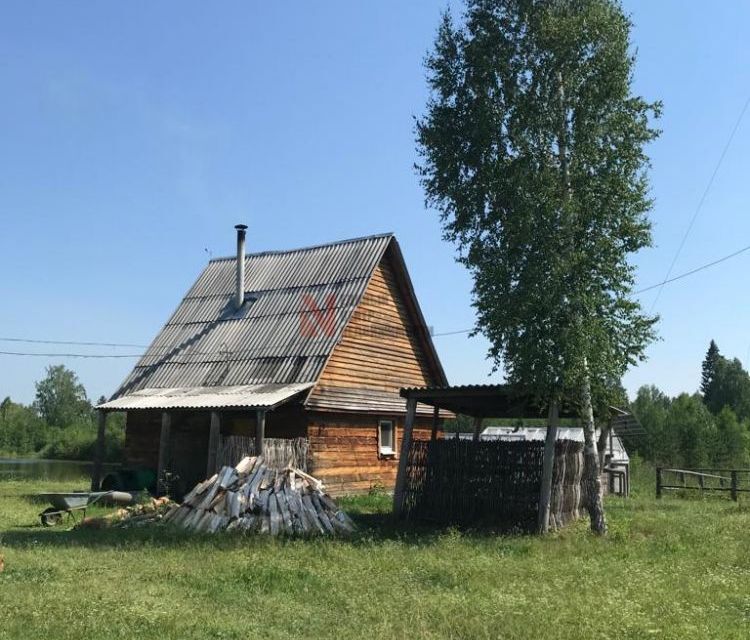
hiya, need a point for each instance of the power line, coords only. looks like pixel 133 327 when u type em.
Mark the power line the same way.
pixel 77 343
pixel 72 355
pixel 645 289
pixel 700 202
pixel 696 270
pixel 154 351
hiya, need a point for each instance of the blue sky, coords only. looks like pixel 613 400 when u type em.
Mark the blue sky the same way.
pixel 135 135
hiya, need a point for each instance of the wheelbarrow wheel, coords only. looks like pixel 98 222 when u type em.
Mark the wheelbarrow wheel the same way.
pixel 51 517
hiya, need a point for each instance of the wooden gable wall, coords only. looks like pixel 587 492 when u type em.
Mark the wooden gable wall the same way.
pixel 379 349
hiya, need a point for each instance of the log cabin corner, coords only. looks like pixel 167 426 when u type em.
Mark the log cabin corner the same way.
pixel 310 343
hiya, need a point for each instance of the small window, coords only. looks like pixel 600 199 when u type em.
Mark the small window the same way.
pixel 387 438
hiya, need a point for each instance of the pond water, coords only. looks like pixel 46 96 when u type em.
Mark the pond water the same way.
pixel 56 470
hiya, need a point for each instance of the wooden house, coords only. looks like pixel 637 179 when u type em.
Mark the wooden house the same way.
pixel 309 343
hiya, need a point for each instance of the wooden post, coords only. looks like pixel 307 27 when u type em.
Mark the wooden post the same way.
pixel 658 482
pixel 734 486
pixel 96 473
pixel 166 425
pixel 399 493
pixel 477 427
pixel 435 422
pixel 545 492
pixel 214 436
pixel 260 431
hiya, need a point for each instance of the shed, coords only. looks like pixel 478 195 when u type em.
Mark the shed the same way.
pixel 310 343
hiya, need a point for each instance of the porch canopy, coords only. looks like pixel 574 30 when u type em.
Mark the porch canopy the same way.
pixel 248 396
pixel 484 401
pixel 478 401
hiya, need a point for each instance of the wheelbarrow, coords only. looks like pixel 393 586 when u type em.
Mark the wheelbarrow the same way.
pixel 76 502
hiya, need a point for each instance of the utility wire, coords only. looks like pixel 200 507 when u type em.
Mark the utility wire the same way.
pixel 696 270
pixel 155 350
pixel 700 203
pixel 72 355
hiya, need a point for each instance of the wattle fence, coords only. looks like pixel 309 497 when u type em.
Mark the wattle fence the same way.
pixel 277 452
pixel 491 482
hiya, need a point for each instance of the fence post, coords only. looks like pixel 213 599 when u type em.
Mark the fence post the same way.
pixel 734 486
pixel 399 492
pixel 545 490
pixel 658 482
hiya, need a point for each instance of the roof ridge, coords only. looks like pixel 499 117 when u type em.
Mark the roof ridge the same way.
pixel 387 234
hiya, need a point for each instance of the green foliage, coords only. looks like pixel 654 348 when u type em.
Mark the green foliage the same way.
pixel 695 431
pixel 682 432
pixel 60 398
pixel 22 432
pixel 60 424
pixel 733 441
pixel 708 370
pixel 729 387
pixel 532 149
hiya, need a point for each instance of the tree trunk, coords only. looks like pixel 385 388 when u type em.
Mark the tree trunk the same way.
pixel 591 479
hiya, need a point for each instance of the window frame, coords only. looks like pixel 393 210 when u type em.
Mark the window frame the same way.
pixel 385 453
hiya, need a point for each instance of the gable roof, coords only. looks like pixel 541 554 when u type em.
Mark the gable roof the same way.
pixel 208 344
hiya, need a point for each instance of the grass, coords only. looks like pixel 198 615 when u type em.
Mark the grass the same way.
pixel 669 569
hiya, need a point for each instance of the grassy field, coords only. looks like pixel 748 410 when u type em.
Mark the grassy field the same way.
pixel 669 569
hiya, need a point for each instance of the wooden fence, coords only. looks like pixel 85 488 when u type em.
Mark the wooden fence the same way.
pixel 495 482
pixel 732 481
pixel 277 452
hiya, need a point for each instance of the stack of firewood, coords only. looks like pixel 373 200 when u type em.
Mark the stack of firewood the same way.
pixel 255 498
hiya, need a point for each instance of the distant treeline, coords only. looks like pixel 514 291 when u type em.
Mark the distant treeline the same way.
pixel 710 428
pixel 60 423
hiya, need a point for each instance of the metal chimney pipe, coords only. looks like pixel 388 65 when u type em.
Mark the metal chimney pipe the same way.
pixel 239 296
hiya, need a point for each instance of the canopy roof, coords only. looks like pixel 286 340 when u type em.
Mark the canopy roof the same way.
pixel 257 396
pixel 484 401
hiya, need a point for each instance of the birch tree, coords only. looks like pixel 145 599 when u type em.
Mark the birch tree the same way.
pixel 532 148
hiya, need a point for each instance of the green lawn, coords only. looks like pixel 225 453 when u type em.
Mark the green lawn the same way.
pixel 669 569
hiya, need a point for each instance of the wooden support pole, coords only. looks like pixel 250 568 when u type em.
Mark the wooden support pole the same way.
pixel 658 482
pixel 96 473
pixel 435 423
pixel 399 494
pixel 734 486
pixel 545 492
pixel 260 432
pixel 477 428
pixel 214 437
pixel 164 438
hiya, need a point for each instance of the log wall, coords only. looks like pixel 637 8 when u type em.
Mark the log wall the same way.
pixel 344 451
pixel 142 430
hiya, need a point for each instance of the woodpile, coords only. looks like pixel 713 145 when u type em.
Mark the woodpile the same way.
pixel 254 497
pixel 148 512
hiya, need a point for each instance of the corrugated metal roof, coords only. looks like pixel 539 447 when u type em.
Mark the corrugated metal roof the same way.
pixel 207 343
pixel 619 454
pixel 261 396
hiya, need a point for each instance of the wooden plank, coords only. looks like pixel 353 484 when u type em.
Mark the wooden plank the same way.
pixel 164 441
pixel 547 469
pixel 96 474
pixel 214 437
pixel 260 432
pixel 398 496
